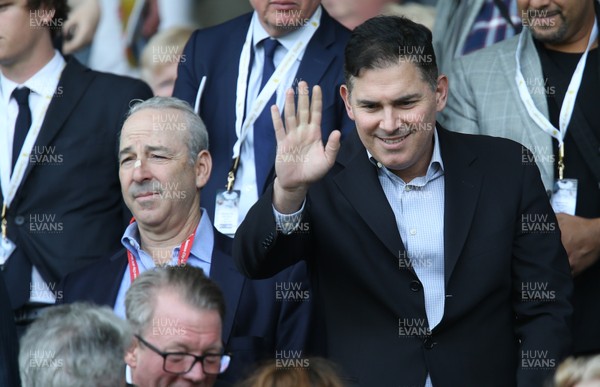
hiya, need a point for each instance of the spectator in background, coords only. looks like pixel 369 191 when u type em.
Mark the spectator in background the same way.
pixel 351 13
pixel 578 372
pixel 80 27
pixel 225 69
pixel 164 165
pixel 176 314
pixel 75 345
pixel 553 103
pixel 123 30
pixel 311 372
pixel 160 59
pixel 58 170
pixel 464 26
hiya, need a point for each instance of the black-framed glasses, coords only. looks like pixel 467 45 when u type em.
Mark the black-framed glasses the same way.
pixel 180 363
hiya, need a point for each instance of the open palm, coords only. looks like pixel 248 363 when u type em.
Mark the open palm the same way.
pixel 301 157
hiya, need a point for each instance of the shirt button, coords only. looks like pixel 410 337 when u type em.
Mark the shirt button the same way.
pixel 407 188
pixel 19 220
pixel 413 231
pixel 415 286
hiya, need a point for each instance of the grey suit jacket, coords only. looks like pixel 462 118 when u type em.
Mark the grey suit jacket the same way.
pixel 484 99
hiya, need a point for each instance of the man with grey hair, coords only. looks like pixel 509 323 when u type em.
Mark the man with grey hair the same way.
pixel 163 164
pixel 176 314
pixel 75 345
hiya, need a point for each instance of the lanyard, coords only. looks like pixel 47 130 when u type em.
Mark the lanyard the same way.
pixel 568 104
pixel 243 124
pixel 184 253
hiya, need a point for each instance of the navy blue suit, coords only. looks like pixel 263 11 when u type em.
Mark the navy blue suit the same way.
pixel 68 211
pixel 256 323
pixel 364 286
pixel 215 52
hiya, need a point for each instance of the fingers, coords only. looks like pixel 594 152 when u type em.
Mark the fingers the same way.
pixel 333 146
pixel 277 124
pixel 303 104
pixel 316 107
pixel 290 110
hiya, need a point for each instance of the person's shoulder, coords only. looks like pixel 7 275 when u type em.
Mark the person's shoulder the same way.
pixel 342 34
pixel 89 277
pixel 109 263
pixel 76 70
pixel 484 145
pixel 224 29
pixel 491 53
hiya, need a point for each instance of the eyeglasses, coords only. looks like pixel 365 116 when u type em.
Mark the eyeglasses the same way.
pixel 180 363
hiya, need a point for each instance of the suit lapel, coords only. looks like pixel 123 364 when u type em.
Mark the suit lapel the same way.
pixel 118 264
pixel 531 68
pixel 462 180
pixel 316 60
pixel 72 85
pixel 318 56
pixel 366 195
pixel 231 282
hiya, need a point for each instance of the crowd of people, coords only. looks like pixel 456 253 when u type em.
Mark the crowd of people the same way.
pixel 314 193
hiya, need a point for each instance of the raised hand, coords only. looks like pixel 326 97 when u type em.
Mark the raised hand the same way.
pixel 301 157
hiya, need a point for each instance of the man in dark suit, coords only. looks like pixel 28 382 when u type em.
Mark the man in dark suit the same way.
pixel 164 162
pixel 61 203
pixel 225 70
pixel 436 257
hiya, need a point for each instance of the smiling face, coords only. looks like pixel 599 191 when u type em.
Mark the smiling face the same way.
pixel 394 111
pixel 159 183
pixel 279 17
pixel 558 22
pixel 175 327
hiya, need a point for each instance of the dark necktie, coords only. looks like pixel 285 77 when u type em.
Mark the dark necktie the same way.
pixel 23 122
pixel 264 137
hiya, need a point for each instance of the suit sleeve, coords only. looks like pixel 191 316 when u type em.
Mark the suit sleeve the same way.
pixel 260 250
pixel 541 285
pixel 460 114
pixel 296 312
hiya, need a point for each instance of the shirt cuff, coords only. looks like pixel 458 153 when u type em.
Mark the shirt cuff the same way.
pixel 287 223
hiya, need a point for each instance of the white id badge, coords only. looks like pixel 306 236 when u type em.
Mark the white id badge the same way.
pixel 564 196
pixel 227 206
pixel 6 249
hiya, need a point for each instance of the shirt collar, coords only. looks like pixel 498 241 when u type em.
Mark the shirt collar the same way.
pixel 287 40
pixel 203 240
pixel 44 82
pixel 436 165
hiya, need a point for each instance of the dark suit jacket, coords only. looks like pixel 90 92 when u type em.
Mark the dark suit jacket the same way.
pixel 364 287
pixel 215 52
pixel 9 347
pixel 256 324
pixel 68 211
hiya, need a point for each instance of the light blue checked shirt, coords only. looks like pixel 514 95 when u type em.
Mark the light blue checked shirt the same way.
pixel 419 211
